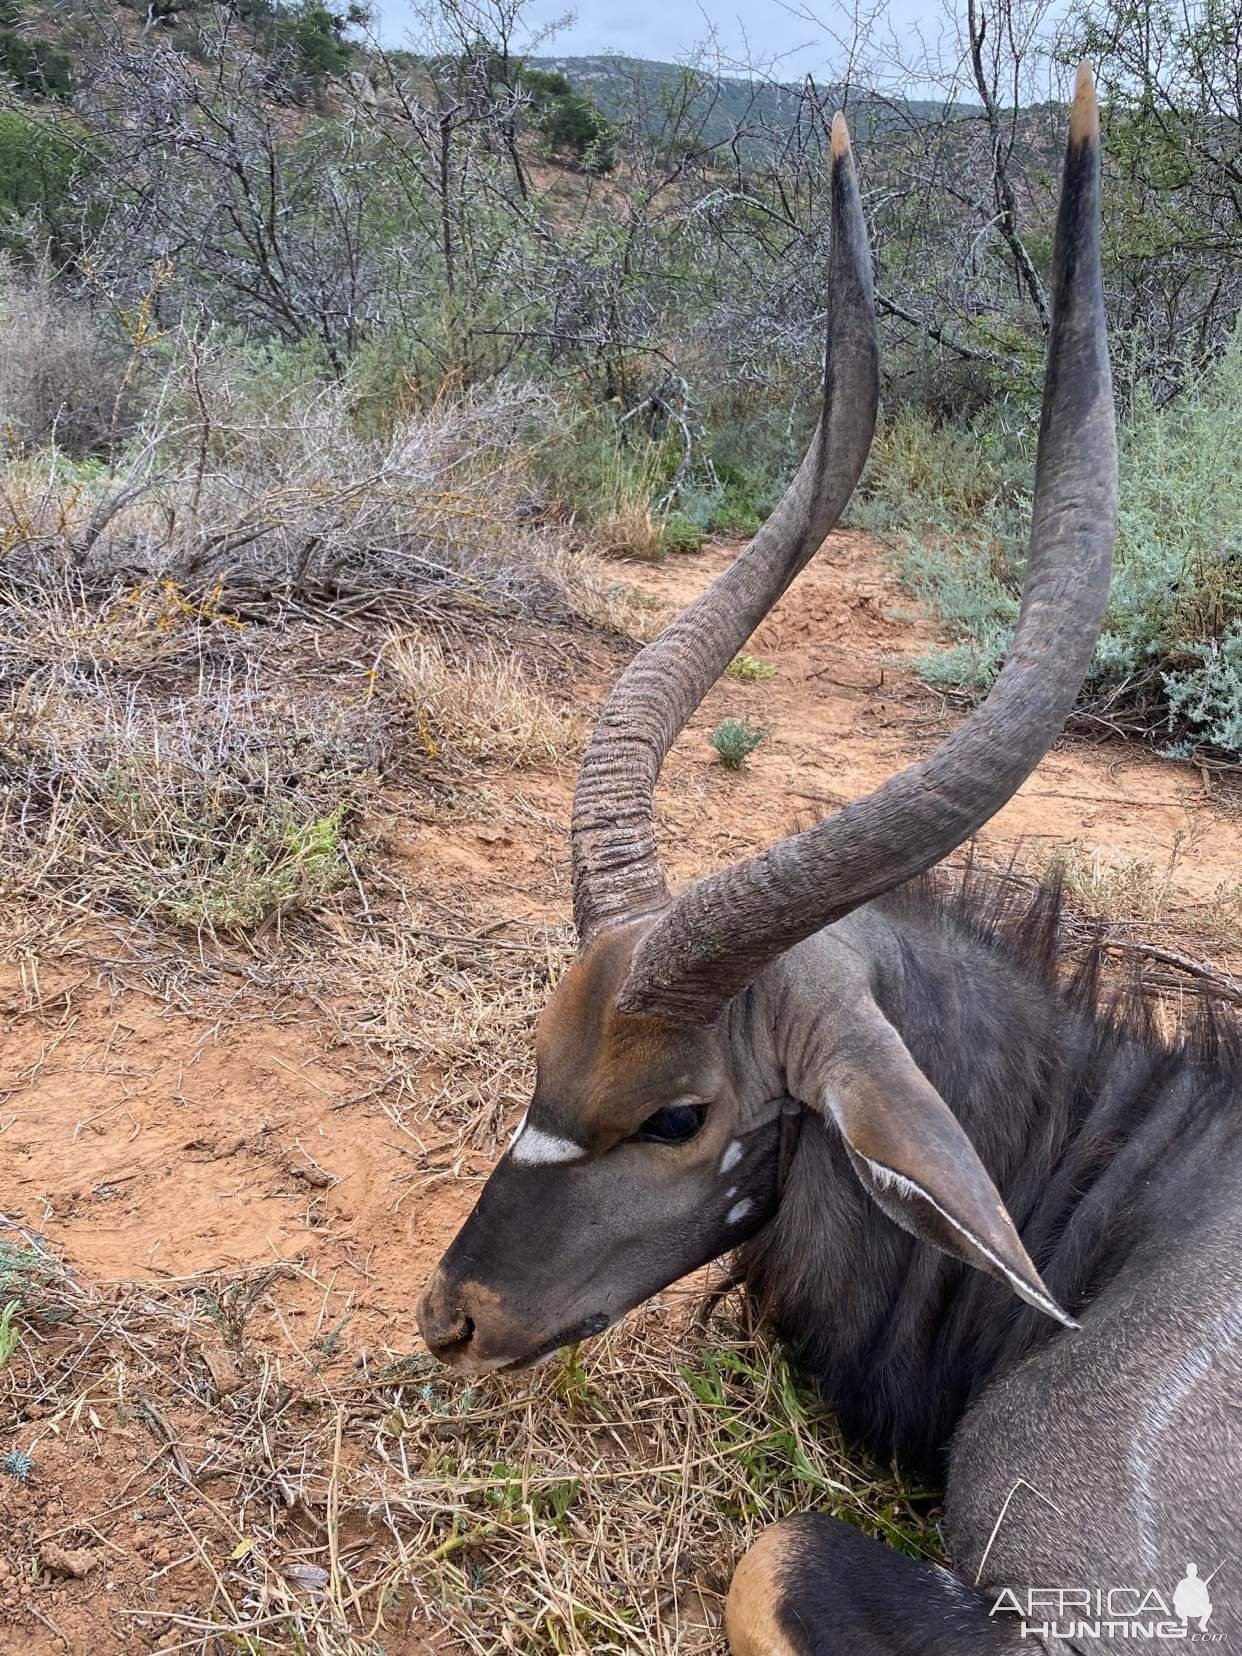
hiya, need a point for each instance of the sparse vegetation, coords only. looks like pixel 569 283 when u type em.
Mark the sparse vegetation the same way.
pixel 316 422
pixel 1140 894
pixel 750 669
pixel 220 812
pixel 518 1513
pixel 483 705
pixel 735 740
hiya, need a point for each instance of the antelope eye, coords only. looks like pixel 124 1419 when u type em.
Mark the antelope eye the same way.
pixel 675 1125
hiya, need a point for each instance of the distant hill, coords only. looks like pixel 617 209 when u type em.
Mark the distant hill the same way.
pixel 43 43
pixel 626 87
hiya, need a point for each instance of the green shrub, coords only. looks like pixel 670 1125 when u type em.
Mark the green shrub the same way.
pixel 1208 698
pixel 680 533
pixel 571 122
pixel 38 163
pixel 735 740
pixel 595 470
pixel 35 66
pixel 1168 665
pixel 750 668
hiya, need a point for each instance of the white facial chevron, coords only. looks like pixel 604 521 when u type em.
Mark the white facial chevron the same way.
pixel 534 1148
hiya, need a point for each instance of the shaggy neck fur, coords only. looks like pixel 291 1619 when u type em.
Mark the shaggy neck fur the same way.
pixel 1101 1137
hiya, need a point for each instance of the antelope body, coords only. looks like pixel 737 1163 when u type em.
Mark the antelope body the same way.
pixel 1000 1229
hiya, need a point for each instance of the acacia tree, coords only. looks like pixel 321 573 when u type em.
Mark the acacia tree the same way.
pixel 194 172
pixel 1169 70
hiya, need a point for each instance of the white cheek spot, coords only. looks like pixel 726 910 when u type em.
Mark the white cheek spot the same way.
pixel 738 1211
pixel 535 1148
pixel 731 1157
pixel 730 1193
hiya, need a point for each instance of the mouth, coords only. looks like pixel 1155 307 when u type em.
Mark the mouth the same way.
pixel 584 1330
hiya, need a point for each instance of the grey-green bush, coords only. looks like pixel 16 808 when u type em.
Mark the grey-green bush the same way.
pixel 1168 666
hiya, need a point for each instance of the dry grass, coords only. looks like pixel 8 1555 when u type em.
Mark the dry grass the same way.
pixel 452 997
pixel 483 705
pixel 218 810
pixel 1139 895
pixel 594 1505
pixel 630 531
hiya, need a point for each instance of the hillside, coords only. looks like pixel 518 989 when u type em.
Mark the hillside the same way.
pixel 44 47
pixel 624 86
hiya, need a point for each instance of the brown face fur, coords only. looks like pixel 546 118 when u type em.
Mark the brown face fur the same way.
pixel 600 1072
pixel 582 1220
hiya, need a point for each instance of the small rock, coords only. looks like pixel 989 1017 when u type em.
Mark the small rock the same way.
pixel 75 1562
pixel 310 1172
pixel 222 1369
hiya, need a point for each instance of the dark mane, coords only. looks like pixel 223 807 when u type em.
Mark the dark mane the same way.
pixel 1022 921
pixel 1100 1131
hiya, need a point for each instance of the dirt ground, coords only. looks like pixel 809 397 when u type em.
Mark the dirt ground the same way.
pixel 253 1155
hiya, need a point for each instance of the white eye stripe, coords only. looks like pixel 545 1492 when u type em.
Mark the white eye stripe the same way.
pixel 534 1148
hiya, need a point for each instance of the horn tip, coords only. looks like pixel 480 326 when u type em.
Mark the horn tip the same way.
pixel 840 136
pixel 1085 111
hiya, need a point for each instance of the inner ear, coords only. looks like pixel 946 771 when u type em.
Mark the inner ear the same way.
pixel 916 1162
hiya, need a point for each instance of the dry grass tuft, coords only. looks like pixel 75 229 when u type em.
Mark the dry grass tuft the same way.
pixel 55 623
pixel 616 606
pixel 629 531
pixel 1111 886
pixel 219 811
pixel 263 494
pixel 454 999
pixel 1138 894
pixel 481 705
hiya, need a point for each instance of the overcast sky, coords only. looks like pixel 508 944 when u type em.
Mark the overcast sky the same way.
pixel 785 38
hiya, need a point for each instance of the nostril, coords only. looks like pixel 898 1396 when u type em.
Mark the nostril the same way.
pixel 443 1321
pixel 451 1342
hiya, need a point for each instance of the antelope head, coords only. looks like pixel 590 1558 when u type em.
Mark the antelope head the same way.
pixel 661 1110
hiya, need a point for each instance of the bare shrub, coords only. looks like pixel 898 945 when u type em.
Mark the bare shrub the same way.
pixel 62 380
pixel 484 705
pixel 50 620
pixel 252 484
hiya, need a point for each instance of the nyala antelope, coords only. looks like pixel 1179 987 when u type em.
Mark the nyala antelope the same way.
pixel 997 1225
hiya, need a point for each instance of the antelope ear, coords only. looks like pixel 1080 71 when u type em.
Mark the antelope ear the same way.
pixel 917 1164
